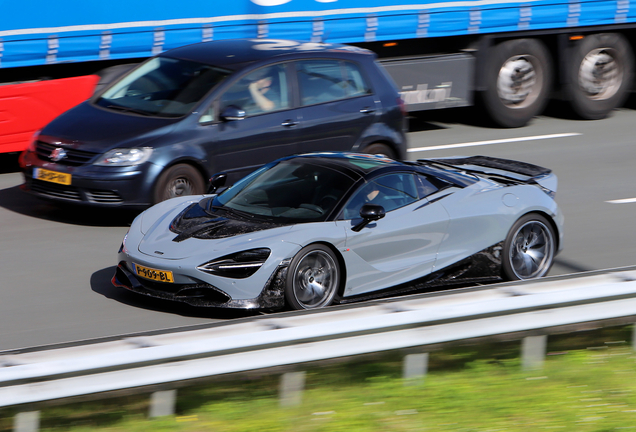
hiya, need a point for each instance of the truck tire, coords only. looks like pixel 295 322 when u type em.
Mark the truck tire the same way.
pixel 519 80
pixel 600 74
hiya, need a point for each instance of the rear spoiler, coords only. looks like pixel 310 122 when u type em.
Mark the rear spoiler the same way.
pixel 519 172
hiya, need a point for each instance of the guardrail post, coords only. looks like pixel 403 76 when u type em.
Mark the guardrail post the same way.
pixel 292 385
pixel 415 368
pixel 633 337
pixel 27 422
pixel 162 403
pixel 533 352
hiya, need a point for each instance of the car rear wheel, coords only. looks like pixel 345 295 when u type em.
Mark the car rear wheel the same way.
pixel 379 149
pixel 529 248
pixel 313 278
pixel 178 180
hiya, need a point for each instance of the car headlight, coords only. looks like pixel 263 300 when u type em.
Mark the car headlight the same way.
pixel 125 157
pixel 34 141
pixel 238 265
pixel 123 248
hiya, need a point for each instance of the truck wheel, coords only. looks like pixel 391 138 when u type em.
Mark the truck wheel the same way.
pixel 519 78
pixel 178 180
pixel 599 75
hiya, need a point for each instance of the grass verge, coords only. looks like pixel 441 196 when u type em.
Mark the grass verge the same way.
pixel 580 390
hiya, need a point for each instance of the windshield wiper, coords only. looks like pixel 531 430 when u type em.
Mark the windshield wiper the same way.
pixel 128 109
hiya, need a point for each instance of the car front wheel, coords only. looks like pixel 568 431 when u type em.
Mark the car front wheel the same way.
pixel 313 278
pixel 178 180
pixel 529 248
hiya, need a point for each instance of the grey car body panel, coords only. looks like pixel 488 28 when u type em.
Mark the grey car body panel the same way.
pixel 410 243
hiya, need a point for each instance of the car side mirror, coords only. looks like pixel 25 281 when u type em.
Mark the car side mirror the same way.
pixel 217 181
pixel 369 213
pixel 232 113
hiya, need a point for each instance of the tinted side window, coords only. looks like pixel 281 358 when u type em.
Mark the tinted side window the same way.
pixel 356 85
pixel 391 191
pixel 424 186
pixel 320 81
pixel 263 90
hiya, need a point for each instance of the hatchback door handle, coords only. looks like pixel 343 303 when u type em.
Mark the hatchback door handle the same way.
pixel 367 110
pixel 289 123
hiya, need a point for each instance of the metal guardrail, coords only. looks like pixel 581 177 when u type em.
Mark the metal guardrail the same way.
pixel 286 339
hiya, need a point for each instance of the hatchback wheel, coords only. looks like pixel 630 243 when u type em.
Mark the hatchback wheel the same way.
pixel 178 180
pixel 379 149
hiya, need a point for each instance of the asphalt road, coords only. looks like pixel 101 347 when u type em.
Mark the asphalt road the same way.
pixel 57 262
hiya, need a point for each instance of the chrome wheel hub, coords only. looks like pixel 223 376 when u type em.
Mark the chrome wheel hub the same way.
pixel 518 83
pixel 179 187
pixel 315 280
pixel 532 250
pixel 600 75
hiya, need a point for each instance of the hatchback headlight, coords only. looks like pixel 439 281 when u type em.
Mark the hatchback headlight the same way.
pixel 125 157
pixel 239 265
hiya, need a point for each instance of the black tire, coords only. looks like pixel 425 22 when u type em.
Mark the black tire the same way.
pixel 518 78
pixel 313 278
pixel 379 149
pixel 178 180
pixel 529 248
pixel 600 74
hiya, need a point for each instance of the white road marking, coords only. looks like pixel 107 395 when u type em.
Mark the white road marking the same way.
pixel 622 201
pixel 499 141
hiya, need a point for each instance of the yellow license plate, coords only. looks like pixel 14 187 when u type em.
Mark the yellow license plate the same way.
pixel 52 176
pixel 153 274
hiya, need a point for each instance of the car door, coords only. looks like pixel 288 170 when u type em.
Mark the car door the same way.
pixel 265 133
pixel 400 247
pixel 336 104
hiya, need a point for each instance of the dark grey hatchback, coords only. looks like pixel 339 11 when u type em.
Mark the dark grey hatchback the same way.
pixel 165 127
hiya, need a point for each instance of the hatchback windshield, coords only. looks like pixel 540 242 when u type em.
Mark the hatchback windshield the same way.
pixel 163 86
pixel 290 190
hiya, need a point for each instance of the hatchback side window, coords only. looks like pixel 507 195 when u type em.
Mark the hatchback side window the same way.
pixel 320 81
pixel 355 82
pixel 264 90
pixel 391 191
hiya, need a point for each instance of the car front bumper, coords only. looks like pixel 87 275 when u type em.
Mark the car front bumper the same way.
pixel 205 295
pixel 92 185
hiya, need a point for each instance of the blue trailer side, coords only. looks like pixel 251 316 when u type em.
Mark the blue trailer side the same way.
pixel 73 31
pixel 510 57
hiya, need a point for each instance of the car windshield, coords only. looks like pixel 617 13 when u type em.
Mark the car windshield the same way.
pixel 162 86
pixel 292 190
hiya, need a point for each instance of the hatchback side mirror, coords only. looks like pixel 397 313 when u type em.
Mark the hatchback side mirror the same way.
pixel 232 112
pixel 217 181
pixel 369 213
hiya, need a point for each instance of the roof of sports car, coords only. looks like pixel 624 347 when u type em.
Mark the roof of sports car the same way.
pixel 360 163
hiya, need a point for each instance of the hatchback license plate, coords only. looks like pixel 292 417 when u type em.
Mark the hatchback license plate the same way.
pixel 154 274
pixel 52 176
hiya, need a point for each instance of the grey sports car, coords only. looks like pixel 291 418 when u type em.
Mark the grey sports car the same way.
pixel 308 231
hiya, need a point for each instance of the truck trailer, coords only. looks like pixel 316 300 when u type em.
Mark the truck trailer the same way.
pixel 508 57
